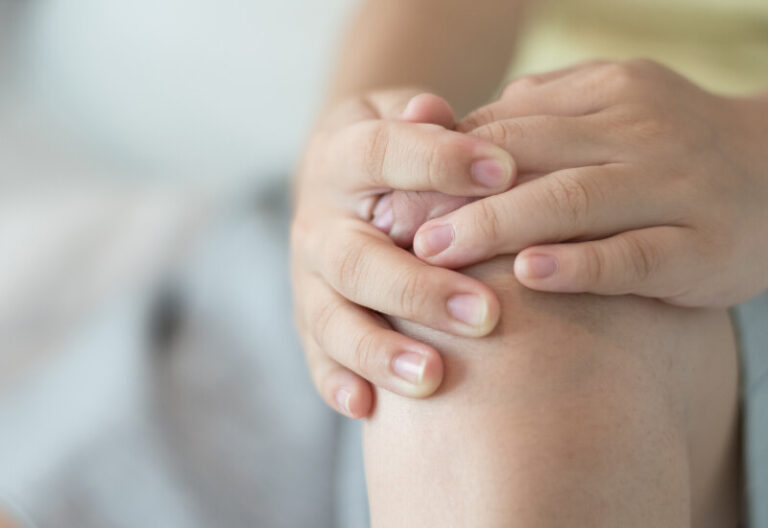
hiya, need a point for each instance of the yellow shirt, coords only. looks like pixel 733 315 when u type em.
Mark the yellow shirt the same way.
pixel 720 44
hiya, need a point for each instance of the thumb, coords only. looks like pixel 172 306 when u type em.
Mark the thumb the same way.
pixel 429 108
pixel 422 108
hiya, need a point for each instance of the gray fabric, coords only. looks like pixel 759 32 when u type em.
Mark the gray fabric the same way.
pixel 242 426
pixel 224 427
pixel 351 497
pixel 752 321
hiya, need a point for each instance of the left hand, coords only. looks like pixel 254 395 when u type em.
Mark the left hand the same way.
pixel 650 186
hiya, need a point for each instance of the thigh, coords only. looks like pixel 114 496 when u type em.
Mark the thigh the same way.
pixel 577 410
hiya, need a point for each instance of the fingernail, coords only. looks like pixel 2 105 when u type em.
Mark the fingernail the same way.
pixel 384 220
pixel 469 309
pixel 434 240
pixel 537 266
pixel 383 203
pixel 409 107
pixel 342 400
pixel 491 173
pixel 410 367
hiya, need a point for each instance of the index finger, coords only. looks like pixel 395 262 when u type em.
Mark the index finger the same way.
pixel 368 269
pixel 587 202
pixel 378 155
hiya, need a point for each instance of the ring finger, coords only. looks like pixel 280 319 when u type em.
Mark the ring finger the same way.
pixel 364 343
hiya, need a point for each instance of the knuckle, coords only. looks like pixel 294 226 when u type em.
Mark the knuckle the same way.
pixel 413 300
pixel 623 77
pixel 641 256
pixel 435 161
pixel 444 160
pixel 322 321
pixel 594 264
pixel 620 75
pixel 486 224
pixel 346 266
pixel 479 117
pixel 372 146
pixel 522 84
pixel 365 354
pixel 501 133
pixel 569 196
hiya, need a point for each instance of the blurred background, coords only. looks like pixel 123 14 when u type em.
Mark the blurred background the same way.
pixel 149 371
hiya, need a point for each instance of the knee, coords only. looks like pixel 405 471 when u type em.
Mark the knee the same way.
pixel 548 344
pixel 570 389
pixel 562 369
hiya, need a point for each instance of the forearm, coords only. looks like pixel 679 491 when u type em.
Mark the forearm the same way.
pixel 577 410
pixel 438 45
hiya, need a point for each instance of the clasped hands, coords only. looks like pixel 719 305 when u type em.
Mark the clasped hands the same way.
pixel 610 178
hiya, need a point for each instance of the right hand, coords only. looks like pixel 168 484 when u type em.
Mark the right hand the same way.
pixel 347 273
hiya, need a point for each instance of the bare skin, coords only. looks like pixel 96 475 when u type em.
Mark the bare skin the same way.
pixel 394 50
pixel 551 409
pixel 578 410
pixel 657 187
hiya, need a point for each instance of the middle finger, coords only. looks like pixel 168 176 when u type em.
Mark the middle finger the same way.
pixel 365 267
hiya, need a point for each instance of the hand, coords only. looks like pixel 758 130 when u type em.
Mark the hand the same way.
pixel 346 270
pixel 401 213
pixel 651 186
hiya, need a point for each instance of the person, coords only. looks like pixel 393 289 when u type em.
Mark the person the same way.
pixel 576 244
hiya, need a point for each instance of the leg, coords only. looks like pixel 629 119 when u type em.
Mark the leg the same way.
pixel 578 411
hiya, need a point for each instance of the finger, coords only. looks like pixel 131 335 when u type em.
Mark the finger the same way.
pixel 583 91
pixel 648 262
pixel 381 104
pixel 401 220
pixel 375 156
pixel 548 143
pixel 368 269
pixel 423 108
pixel 392 104
pixel 340 388
pixel 429 108
pixel 588 202
pixel 364 343
pixel 551 93
pixel 401 213
pixel 538 79
pixel 411 210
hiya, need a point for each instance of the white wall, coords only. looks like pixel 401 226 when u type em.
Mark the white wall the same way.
pixel 216 88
